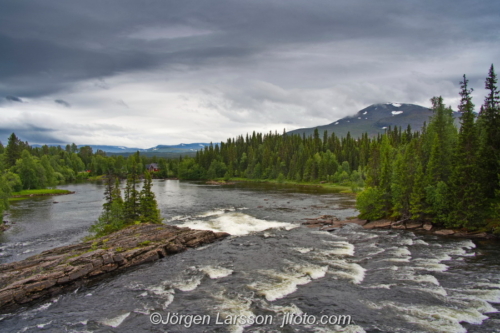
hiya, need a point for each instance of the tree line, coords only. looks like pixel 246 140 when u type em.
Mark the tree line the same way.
pixel 443 174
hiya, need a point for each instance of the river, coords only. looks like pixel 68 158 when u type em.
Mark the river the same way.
pixel 353 280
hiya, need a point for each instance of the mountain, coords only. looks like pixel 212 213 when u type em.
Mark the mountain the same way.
pixel 160 150
pixel 375 119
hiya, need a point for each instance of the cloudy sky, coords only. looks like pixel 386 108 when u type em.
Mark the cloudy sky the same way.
pixel 146 72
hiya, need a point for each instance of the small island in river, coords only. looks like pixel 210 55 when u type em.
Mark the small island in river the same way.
pixel 68 267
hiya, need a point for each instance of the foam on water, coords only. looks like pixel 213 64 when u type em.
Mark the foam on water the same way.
pixel 279 284
pixel 468 244
pixel 420 242
pixel 399 251
pixel 146 309
pixel 337 329
pixel 303 249
pixel 216 212
pixel 433 318
pixel 237 224
pixel 406 241
pixel 344 269
pixel 379 286
pixel 116 321
pixel 340 248
pixel 313 271
pixel 237 306
pixel 432 265
pixel 216 272
pixel 167 294
pixel 188 284
pixel 489 295
pixel 44 324
pixel 436 290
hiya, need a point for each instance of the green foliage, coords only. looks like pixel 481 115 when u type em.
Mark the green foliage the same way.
pixel 370 204
pixel 5 192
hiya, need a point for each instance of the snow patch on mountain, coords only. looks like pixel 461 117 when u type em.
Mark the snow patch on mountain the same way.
pixel 396 112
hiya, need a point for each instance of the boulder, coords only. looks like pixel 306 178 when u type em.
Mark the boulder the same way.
pixel 427 226
pixel 444 232
pixel 378 224
pixel 413 224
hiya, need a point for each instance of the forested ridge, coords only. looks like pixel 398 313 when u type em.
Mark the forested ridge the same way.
pixel 442 174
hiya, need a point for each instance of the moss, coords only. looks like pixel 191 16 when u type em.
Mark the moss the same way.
pixel 145 243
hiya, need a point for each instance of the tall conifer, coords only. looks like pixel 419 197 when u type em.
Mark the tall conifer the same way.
pixel 467 202
pixel 490 136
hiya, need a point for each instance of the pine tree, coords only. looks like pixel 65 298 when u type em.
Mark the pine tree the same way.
pixel 467 202
pixel 148 211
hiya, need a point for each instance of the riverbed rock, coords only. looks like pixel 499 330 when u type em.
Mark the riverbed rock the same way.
pixel 378 224
pixel 413 224
pixel 68 267
pixel 427 226
pixel 444 232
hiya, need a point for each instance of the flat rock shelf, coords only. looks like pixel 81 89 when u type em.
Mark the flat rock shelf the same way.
pixel 68 267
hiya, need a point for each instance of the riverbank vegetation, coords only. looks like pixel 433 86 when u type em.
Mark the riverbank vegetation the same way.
pixel 41 192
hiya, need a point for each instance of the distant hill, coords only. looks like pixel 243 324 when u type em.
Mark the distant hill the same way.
pixel 160 150
pixel 375 119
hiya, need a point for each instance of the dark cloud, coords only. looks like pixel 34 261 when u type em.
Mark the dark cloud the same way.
pixel 46 44
pixel 13 99
pixel 63 103
pixel 32 134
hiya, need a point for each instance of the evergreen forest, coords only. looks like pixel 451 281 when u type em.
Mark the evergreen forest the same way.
pixel 442 174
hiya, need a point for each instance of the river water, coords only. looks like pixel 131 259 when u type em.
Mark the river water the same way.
pixel 271 268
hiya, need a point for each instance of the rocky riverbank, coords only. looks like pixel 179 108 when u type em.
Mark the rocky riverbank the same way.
pixel 330 223
pixel 68 267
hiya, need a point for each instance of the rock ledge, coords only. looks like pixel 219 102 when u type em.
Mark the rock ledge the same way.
pixel 68 267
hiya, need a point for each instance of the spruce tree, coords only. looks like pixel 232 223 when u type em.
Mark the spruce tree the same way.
pixel 13 150
pixel 466 200
pixel 490 136
pixel 417 196
pixel 131 202
pixel 148 210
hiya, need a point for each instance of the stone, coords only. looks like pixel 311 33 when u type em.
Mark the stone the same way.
pixel 413 225
pixel 444 232
pixel 378 224
pixel 427 226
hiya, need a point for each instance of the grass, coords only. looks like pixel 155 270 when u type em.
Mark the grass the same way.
pixel 17 199
pixel 95 178
pixel 27 193
pixel 331 186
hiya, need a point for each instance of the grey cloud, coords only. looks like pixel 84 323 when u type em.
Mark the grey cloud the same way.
pixel 48 45
pixel 63 103
pixel 32 134
pixel 13 99
pixel 267 61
